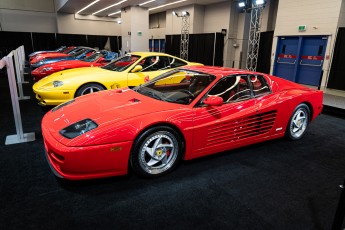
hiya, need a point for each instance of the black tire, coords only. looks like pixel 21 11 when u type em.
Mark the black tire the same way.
pixel 170 150
pixel 298 122
pixel 89 88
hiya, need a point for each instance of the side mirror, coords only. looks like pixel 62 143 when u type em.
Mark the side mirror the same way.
pixel 213 101
pixel 137 68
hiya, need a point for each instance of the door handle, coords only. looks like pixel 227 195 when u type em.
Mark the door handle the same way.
pixel 301 63
pixel 282 62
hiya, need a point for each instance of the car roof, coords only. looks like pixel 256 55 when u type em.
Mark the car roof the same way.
pixel 219 71
pixel 149 53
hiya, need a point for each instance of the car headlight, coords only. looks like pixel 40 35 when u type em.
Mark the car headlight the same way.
pixel 78 128
pixel 57 83
pixel 46 69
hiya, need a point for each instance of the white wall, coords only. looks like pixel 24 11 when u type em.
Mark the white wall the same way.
pixel 27 21
pixel 29 5
pixel 198 19
pixel 157 25
pixel 40 16
pixel 68 24
pixel 341 21
pixel 217 17
pixel 173 23
pixel 320 16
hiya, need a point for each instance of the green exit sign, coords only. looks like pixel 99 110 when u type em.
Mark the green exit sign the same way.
pixel 302 28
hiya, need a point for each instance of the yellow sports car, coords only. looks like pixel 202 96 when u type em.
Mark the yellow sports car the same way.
pixel 130 70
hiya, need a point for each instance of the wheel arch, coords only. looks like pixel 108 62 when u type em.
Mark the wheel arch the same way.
pixel 170 125
pixel 311 110
pixel 90 82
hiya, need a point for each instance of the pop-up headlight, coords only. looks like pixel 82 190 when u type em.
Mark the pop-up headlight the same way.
pixel 78 128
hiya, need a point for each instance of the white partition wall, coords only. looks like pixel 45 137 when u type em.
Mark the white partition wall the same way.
pixel 20 136
pixel 19 66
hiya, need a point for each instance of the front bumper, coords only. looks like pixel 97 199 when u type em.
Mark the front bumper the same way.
pixel 89 162
pixel 55 97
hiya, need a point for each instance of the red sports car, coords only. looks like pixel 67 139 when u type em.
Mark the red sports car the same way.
pixel 66 50
pixel 40 57
pixel 182 114
pixel 97 59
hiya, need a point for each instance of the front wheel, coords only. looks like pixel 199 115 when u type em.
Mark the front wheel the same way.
pixel 89 88
pixel 156 152
pixel 298 122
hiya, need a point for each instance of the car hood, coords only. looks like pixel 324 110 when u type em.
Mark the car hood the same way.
pixel 106 108
pixel 67 75
pixel 68 64
pixel 51 60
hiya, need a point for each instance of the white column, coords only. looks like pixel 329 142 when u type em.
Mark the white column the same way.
pixel 135 29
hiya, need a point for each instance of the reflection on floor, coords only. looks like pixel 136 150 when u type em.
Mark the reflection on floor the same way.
pixel 332 97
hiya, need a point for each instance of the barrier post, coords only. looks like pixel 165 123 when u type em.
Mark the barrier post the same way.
pixel 20 136
pixel 19 73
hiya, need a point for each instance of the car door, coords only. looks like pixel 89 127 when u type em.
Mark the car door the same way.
pixel 237 121
pixel 153 66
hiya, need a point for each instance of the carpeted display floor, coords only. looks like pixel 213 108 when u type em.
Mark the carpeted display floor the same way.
pixel 273 185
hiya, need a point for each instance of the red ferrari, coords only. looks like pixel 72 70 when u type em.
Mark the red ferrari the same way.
pixel 183 114
pixel 97 59
pixel 44 54
pixel 39 57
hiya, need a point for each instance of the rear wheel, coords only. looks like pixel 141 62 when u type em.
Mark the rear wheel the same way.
pixel 89 88
pixel 156 152
pixel 298 122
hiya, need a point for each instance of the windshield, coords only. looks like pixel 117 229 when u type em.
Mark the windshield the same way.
pixel 76 54
pixel 122 63
pixel 176 86
pixel 93 57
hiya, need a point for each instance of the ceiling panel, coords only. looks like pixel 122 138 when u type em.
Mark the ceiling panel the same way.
pixel 73 6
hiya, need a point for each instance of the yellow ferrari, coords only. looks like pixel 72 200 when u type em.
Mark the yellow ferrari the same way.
pixel 130 70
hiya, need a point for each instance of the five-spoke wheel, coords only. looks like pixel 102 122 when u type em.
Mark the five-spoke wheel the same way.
pixel 89 88
pixel 156 152
pixel 298 122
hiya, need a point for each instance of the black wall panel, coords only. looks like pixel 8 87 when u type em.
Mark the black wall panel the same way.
pixel 265 49
pixel 97 41
pixel 11 40
pixel 201 47
pixel 43 41
pixel 336 75
pixel 71 40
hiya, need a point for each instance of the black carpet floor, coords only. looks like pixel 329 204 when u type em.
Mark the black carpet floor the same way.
pixel 273 185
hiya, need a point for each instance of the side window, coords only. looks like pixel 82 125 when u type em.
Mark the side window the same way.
pixel 154 63
pixel 259 85
pixel 174 63
pixel 232 88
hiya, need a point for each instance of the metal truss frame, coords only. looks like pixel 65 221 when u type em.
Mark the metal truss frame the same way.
pixel 254 37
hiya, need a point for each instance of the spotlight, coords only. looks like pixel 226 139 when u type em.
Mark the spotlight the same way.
pixel 174 13
pixel 259 2
pixel 185 13
pixel 241 4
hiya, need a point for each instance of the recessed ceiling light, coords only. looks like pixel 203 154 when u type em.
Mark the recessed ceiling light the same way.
pixel 87 6
pixel 168 4
pixel 147 2
pixel 117 12
pixel 109 7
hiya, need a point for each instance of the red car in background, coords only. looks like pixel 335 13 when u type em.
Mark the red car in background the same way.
pixel 100 58
pixel 40 57
pixel 60 50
